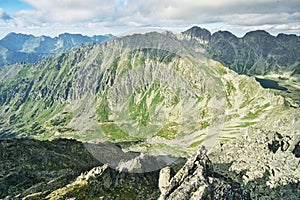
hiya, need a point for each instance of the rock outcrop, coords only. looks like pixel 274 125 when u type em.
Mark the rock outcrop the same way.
pixel 263 165
pixel 104 182
pixel 60 169
pixel 196 180
pixel 30 166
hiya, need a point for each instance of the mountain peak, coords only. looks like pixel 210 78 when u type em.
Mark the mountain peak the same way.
pixel 198 32
pixel 14 41
pixel 225 34
pixel 258 33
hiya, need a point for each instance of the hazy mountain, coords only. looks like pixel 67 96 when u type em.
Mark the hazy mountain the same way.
pixel 256 53
pixel 17 47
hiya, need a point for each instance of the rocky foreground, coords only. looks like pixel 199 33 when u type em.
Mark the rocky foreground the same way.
pixel 259 166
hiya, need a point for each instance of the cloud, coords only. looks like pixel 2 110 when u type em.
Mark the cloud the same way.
pixel 117 15
pixel 4 16
pixel 65 11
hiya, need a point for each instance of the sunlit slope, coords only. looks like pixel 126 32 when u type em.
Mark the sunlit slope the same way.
pixel 148 92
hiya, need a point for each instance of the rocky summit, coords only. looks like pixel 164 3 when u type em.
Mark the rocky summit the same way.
pixel 123 119
pixel 65 169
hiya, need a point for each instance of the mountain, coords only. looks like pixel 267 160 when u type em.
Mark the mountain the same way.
pixel 17 47
pixel 62 168
pixel 256 53
pixel 150 89
pixel 160 96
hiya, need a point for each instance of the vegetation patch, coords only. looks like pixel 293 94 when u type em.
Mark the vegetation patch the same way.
pixel 169 131
pixel 114 132
pixel 196 144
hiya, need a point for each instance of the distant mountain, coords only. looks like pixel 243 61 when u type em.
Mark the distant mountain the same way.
pixel 17 47
pixel 257 53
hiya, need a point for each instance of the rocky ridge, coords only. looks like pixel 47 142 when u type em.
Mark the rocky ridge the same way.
pixel 256 53
pixel 262 165
pixel 226 172
pixel 63 168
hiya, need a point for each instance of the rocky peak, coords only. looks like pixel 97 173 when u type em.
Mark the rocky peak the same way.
pixel 256 53
pixel 197 32
pixel 258 33
pixel 224 35
pixel 196 180
pixel 190 181
pixel 288 38
pixel 15 41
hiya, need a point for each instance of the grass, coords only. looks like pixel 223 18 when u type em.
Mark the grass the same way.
pixel 221 69
pixel 113 132
pixel 252 115
pixel 203 125
pixel 245 124
pixel 103 110
pixel 196 144
pixel 246 102
pixel 169 131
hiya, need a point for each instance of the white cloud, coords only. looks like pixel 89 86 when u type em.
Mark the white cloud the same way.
pixel 117 15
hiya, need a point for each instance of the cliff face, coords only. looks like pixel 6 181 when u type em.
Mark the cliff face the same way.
pixel 256 53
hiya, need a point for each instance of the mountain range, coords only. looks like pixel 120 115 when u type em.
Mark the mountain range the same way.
pixel 256 53
pixel 151 98
pixel 18 47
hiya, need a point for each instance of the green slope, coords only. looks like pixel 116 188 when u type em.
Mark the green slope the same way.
pixel 151 91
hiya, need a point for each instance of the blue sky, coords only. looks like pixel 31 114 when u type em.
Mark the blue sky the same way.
pixel 90 17
pixel 12 6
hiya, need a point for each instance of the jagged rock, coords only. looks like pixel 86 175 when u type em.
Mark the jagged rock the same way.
pixel 263 162
pixel 164 178
pixel 60 169
pixel 106 183
pixel 189 179
pixel 196 180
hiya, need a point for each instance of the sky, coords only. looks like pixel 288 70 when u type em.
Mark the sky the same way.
pixel 95 17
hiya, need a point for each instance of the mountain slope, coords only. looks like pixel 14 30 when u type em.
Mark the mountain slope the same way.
pixel 31 169
pixel 151 92
pixel 17 47
pixel 256 53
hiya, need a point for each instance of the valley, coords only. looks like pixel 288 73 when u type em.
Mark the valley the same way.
pixel 154 97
